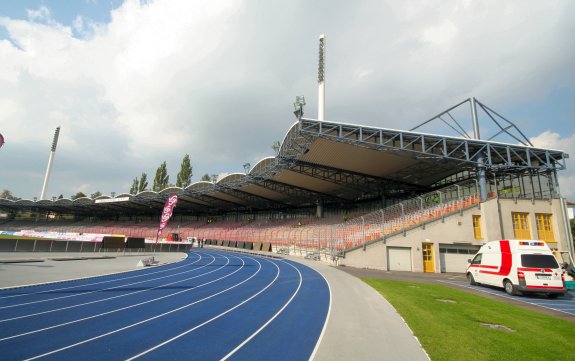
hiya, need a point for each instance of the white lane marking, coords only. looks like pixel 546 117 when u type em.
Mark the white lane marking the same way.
pixel 211 319
pixel 315 349
pixel 89 277
pixel 104 289
pixel 231 353
pixel 148 319
pixel 114 297
pixel 118 309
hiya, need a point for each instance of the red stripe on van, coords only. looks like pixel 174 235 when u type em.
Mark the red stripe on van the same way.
pixel 531 269
pixel 506 260
pixel 547 287
pixel 482 266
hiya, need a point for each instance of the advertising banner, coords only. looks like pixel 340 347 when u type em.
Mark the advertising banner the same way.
pixel 167 213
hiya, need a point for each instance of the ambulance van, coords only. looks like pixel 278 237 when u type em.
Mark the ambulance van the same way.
pixel 519 266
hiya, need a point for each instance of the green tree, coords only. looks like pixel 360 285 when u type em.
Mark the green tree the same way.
pixel 162 178
pixel 96 194
pixel 134 188
pixel 78 195
pixel 206 178
pixel 6 194
pixel 143 185
pixel 184 178
pixel 60 196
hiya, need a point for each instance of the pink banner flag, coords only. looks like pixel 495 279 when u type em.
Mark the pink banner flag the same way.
pixel 167 213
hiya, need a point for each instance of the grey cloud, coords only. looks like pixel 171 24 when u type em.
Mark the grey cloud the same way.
pixel 224 92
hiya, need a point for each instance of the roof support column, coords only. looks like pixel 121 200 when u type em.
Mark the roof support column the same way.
pixel 480 158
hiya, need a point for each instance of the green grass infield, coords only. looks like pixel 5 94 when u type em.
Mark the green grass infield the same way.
pixel 448 323
pixel 6 236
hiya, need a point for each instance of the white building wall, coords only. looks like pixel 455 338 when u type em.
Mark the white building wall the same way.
pixel 457 229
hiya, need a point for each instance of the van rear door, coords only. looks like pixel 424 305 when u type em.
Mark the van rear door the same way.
pixel 539 271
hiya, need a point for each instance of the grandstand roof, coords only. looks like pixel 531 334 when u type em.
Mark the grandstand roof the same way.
pixel 328 162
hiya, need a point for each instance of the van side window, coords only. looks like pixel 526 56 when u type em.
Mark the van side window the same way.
pixel 476 259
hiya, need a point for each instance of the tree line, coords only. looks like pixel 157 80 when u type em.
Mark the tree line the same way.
pixel 161 181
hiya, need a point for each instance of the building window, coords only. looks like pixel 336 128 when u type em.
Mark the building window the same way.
pixel 477 227
pixel 544 227
pixel 521 225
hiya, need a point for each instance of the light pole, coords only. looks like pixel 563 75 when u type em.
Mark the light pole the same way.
pixel 298 106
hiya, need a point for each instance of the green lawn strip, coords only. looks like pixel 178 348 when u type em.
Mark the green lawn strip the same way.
pixel 24 238
pixel 452 331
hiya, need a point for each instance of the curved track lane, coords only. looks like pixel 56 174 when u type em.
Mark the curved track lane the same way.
pixel 212 306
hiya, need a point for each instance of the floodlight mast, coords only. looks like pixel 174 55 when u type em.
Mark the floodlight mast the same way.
pixel 50 160
pixel 321 79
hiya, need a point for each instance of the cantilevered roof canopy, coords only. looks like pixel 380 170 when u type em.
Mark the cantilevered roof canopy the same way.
pixel 329 162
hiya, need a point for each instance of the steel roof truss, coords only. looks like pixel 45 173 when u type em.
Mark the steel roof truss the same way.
pixel 505 155
pixel 356 181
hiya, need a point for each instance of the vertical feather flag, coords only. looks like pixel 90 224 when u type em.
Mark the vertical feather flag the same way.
pixel 167 213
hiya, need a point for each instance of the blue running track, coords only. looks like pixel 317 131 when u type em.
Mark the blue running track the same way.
pixel 214 305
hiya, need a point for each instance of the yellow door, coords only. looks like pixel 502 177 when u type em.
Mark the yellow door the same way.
pixel 428 263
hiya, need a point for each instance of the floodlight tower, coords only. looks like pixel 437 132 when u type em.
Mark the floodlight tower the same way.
pixel 321 79
pixel 50 160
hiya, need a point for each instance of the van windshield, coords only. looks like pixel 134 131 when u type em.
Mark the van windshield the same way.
pixel 539 261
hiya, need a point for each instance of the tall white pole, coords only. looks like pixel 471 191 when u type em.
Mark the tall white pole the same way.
pixel 321 79
pixel 50 160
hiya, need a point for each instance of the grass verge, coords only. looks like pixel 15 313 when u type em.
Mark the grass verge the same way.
pixel 448 325
pixel 6 236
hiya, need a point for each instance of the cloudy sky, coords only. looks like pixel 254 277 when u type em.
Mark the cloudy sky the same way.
pixel 135 83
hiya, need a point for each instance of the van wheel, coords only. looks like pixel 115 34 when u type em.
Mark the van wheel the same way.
pixel 510 288
pixel 471 279
pixel 553 295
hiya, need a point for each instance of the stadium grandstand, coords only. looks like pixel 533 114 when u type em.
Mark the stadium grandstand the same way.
pixel 344 193
pixel 349 194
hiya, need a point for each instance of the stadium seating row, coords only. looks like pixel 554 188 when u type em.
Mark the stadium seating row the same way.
pixel 330 234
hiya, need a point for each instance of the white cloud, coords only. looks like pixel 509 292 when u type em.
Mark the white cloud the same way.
pixel 216 79
pixel 553 140
pixel 42 13
pixel 441 34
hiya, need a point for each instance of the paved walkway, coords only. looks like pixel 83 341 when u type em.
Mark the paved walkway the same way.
pixel 362 324
pixel 26 268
